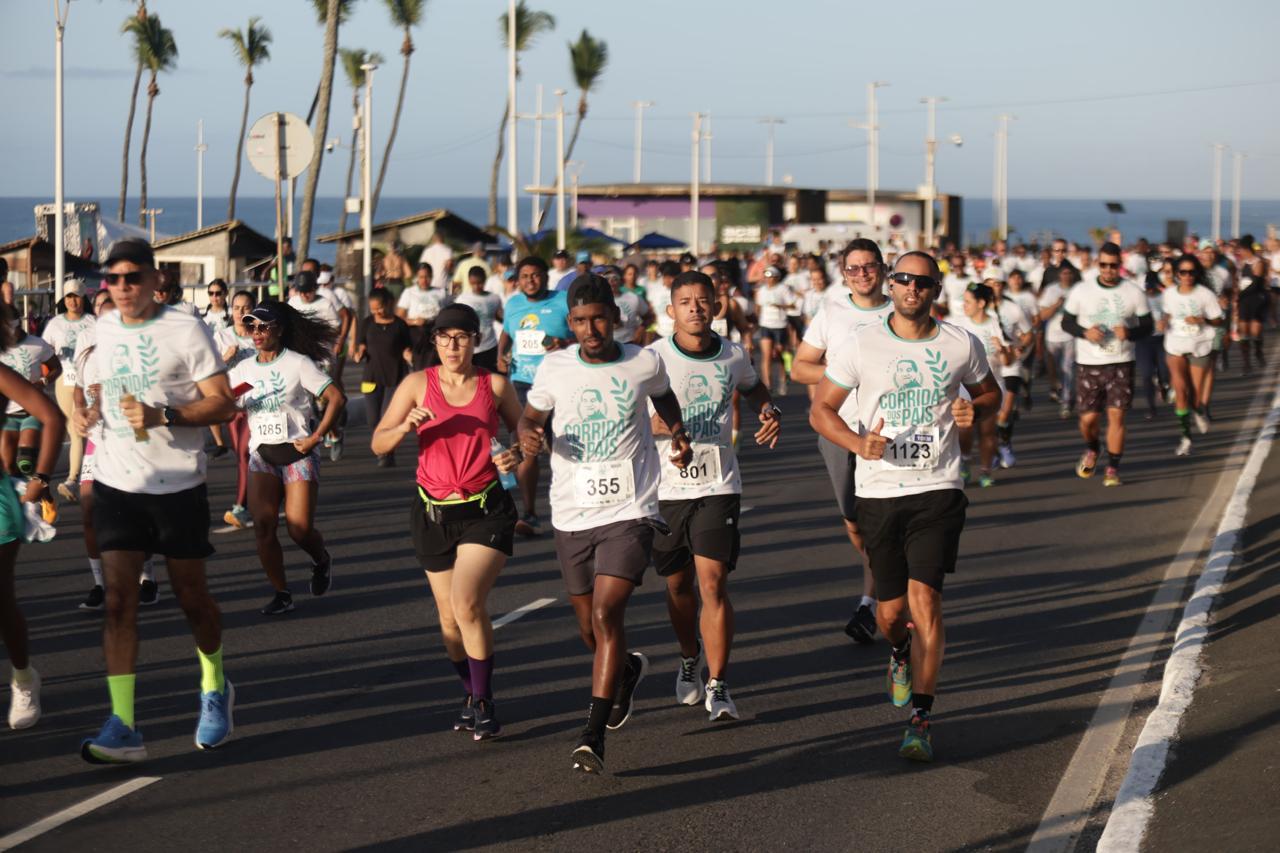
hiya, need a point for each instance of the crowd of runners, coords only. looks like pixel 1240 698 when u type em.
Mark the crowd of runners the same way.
pixel 637 381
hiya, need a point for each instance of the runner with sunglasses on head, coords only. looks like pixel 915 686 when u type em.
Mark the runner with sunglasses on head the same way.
pixel 461 519
pixel 909 371
pixel 1191 315
pixel 235 343
pixel 275 389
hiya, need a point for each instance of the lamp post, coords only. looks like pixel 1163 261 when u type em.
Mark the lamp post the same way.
pixel 1237 180
pixel 694 188
pixel 930 156
pixel 1002 175
pixel 560 232
pixel 1218 148
pixel 536 213
pixel 513 223
pixel 768 150
pixel 640 107
pixel 366 179
pixel 873 152
pixel 59 192
pixel 200 149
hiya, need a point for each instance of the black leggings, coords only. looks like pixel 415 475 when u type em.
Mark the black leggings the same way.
pixel 376 402
pixel 1155 370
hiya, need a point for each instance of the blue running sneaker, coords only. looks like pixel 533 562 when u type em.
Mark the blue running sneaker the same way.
pixel 115 744
pixel 215 724
pixel 899 679
pixel 917 743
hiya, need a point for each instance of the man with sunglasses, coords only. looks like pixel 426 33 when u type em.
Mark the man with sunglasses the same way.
pixel 1107 314
pixel 860 303
pixel 1057 261
pixel 909 372
pixel 162 383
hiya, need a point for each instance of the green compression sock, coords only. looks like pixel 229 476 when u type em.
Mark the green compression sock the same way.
pixel 121 687
pixel 1184 422
pixel 211 679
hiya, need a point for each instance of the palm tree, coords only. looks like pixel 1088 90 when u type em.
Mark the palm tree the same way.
pixel 334 11
pixel 587 59
pixel 529 25
pixel 252 48
pixel 322 10
pixel 352 60
pixel 133 108
pixel 405 14
pixel 155 49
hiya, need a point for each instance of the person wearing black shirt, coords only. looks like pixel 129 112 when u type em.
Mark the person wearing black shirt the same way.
pixel 384 346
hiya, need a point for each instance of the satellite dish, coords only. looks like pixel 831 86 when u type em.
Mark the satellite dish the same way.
pixel 280 140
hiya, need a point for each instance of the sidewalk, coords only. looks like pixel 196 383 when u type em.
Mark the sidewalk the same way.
pixel 1221 788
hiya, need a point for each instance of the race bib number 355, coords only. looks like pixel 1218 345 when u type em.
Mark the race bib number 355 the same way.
pixel 600 484
pixel 916 448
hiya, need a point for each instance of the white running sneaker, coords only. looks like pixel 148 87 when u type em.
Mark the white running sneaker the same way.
pixel 1201 421
pixel 689 687
pixel 719 704
pixel 24 703
pixel 1184 447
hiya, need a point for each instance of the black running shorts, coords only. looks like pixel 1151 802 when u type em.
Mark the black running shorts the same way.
pixel 914 537
pixel 620 550
pixel 436 545
pixel 706 527
pixel 173 525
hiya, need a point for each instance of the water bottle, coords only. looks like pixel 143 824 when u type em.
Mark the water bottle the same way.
pixel 507 478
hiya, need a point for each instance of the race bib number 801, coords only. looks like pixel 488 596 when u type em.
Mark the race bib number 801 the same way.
pixel 703 469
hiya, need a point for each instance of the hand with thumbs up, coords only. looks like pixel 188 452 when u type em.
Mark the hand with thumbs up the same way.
pixel 873 443
pixel 962 410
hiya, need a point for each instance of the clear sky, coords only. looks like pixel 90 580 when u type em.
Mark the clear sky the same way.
pixel 1064 69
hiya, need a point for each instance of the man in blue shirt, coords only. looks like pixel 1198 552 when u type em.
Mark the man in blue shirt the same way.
pixel 535 322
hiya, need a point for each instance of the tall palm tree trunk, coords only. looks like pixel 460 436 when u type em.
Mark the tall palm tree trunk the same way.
pixel 391 138
pixel 152 91
pixel 321 132
pixel 497 164
pixel 351 164
pixel 235 176
pixel 128 135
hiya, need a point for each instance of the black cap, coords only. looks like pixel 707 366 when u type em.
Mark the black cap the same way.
pixel 561 254
pixel 265 313
pixel 458 316
pixel 132 249
pixel 305 280
pixel 590 289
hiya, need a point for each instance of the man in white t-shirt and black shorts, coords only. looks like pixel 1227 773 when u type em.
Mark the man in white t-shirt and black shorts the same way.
pixel 604 488
pixel 909 372
pixel 162 383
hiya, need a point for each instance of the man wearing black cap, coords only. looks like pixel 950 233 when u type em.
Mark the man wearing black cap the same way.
pixel 164 382
pixel 604 488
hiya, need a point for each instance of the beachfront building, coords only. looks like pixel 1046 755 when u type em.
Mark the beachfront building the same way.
pixel 413 232
pixel 229 251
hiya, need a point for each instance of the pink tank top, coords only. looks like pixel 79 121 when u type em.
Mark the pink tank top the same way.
pixel 453 448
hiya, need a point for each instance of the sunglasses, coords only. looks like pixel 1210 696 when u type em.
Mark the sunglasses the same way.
pixel 867 270
pixel 1187 271
pixel 217 292
pixel 920 282
pixel 134 277
pixel 1103 265
pixel 253 325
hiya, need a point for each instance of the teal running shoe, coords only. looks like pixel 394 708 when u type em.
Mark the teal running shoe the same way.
pixel 899 681
pixel 917 743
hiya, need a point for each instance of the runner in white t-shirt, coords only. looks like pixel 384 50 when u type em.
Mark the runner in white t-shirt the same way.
pixel 773 299
pixel 31 357
pixel 235 344
pixel 636 316
pixel 489 309
pixel 604 488
pixel 658 296
pixel 1191 313
pixel 419 304
pixel 1017 325
pixel 276 389
pixel 308 301
pixel 860 302
pixel 909 371
pixel 978 319
pixel 61 332
pixel 701 502
pixel 1059 345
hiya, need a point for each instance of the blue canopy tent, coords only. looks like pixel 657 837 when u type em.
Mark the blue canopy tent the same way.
pixel 654 240
pixel 588 233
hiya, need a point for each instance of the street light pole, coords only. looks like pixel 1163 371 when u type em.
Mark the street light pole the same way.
pixel 1218 148
pixel 513 223
pixel 694 188
pixel 1002 175
pixel 537 161
pixel 366 170
pixel 706 163
pixel 640 107
pixel 930 158
pixel 560 226
pixel 200 149
pixel 1237 179
pixel 768 151
pixel 873 153
pixel 59 191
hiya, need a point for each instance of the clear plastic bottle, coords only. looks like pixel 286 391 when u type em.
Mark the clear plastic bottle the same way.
pixel 507 478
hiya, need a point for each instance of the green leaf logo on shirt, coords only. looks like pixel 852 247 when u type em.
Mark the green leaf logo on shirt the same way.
pixel 937 368
pixel 623 397
pixel 149 358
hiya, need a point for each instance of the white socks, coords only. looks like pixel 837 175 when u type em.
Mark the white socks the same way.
pixel 95 566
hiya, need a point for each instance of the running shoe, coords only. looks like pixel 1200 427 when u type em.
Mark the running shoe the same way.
pixel 238 517
pixel 1111 477
pixel 216 723
pixel 115 744
pixel 964 471
pixel 148 592
pixel 917 743
pixel 1064 411
pixel 24 702
pixel 281 604
pixel 528 525
pixel 588 755
pixel 1184 447
pixel 218 451
pixel 335 450
pixel 322 576
pixel 633 673
pixel 95 598
pixel 899 681
pixel 862 627
pixel 786 362
pixel 1201 420
pixel 985 480
pixel 69 491
pixel 1007 459
pixel 466 720
pixel 386 461
pixel 1088 462
pixel 1053 395
pixel 689 687
pixel 486 724
pixel 719 703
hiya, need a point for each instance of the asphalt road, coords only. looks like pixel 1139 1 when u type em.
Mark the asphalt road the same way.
pixel 343 736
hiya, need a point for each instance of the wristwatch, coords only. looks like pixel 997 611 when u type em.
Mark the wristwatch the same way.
pixel 772 410
pixel 170 415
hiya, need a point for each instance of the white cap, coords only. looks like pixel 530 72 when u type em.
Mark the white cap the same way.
pixel 324 277
pixel 994 272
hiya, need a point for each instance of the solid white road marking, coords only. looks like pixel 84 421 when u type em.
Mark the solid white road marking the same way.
pixel 1085 775
pixel 522 611
pixel 1133 807
pixel 57 819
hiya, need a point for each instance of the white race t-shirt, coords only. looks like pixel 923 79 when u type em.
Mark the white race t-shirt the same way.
pixel 486 306
pixel 339 296
pixel 318 309
pixel 228 337
pixel 631 307
pixel 1092 304
pixel 952 295
pixel 911 385
pixel 834 325
pixel 1183 338
pixel 280 403
pixel 438 255
pixel 659 298
pixel 704 387
pixel 62 334
pixel 1053 331
pixel 25 359
pixel 990 335
pixel 773 302
pixel 159 362
pixel 216 321
pixel 420 304
pixel 604 465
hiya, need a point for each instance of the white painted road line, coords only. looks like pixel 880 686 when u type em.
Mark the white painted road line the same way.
pixel 1134 808
pixel 522 611
pixel 53 821
pixel 1085 776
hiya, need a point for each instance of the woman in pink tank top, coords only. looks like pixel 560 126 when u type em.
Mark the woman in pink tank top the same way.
pixel 462 521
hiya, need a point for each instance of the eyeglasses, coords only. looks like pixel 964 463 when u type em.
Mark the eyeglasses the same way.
pixel 253 325
pixel 217 293
pixel 867 270
pixel 134 277
pixel 919 282
pixel 1187 271
pixel 1103 265
pixel 444 339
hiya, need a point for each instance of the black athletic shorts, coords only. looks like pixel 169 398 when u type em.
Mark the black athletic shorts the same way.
pixel 1013 384
pixel 621 550
pixel 436 545
pixel 914 537
pixel 173 525
pixel 706 527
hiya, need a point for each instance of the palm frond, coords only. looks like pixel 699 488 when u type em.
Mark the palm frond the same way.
pixel 529 25
pixel 588 58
